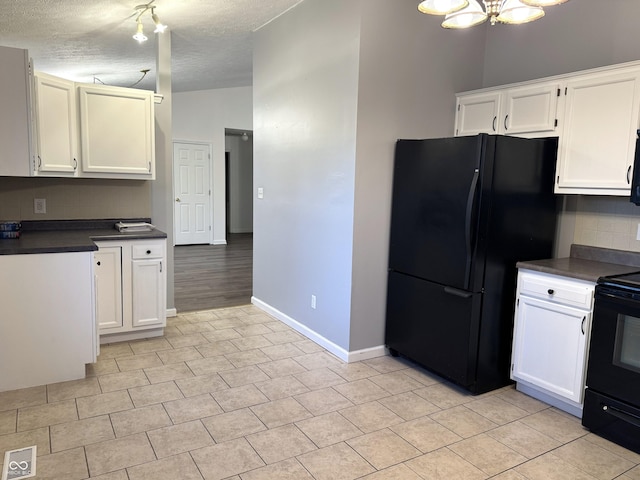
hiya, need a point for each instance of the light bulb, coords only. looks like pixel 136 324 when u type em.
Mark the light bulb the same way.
pixel 160 28
pixel 140 36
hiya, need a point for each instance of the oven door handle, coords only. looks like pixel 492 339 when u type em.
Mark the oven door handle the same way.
pixel 624 416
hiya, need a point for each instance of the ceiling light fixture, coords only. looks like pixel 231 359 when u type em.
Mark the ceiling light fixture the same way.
pixel 140 11
pixel 467 13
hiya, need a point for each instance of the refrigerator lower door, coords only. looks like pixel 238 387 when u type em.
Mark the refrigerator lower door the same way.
pixel 435 326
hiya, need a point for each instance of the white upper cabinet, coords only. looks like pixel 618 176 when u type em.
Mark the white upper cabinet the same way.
pixel 117 132
pixel 56 127
pixel 526 111
pixel 15 114
pixel 597 147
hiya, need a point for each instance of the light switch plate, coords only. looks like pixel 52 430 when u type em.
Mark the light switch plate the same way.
pixel 260 192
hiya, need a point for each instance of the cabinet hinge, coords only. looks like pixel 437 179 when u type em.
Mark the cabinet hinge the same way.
pixel 517 302
pixel 558 92
pixel 512 367
pixel 555 124
pixel 456 132
pixel 458 107
pixel 558 180
pixel 565 90
pixel 160 266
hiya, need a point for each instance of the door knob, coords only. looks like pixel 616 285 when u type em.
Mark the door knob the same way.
pixel 177 200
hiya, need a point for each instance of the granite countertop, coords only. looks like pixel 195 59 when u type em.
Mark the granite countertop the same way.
pixel 56 236
pixel 587 263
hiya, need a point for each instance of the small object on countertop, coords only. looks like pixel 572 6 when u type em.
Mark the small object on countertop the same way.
pixel 134 227
pixel 10 229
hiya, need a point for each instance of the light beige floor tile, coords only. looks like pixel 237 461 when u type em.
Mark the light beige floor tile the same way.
pixel 383 448
pixel 104 403
pixel 243 376
pixel 229 322
pixel 280 443
pixel 138 362
pixel 509 475
pixel 30 418
pixel 462 421
pixel 8 421
pixel 425 434
pixel 520 400
pixel 443 464
pixel 313 361
pixel 166 373
pixel 102 367
pixel 556 425
pixel 247 357
pixel 112 455
pixel 190 387
pixel 487 454
pixel 444 395
pixel 171 331
pixel 119 475
pixel 323 401
pixel 497 410
pixel 80 433
pixel 370 417
pixel 286 470
pixel 14 441
pixel 278 326
pixel 200 327
pixel 180 438
pixel 180 467
pixel 633 474
pixel 396 382
pixel 524 439
pixel 226 459
pixel 286 336
pixel 216 349
pixel 210 365
pixel 192 408
pixel 550 467
pixel 280 412
pixel 156 393
pixel 397 472
pixel 423 376
pixel 139 420
pixel 281 387
pixel 280 351
pixel 409 405
pixel 220 335
pixel 123 380
pixel 151 345
pixel 307 346
pixel 247 331
pixel 239 397
pixel 361 391
pixel 319 378
pixel 249 343
pixel 613 448
pixel 282 368
pixel 228 426
pixel 56 392
pixel 354 371
pixel 386 364
pixel 328 429
pixel 25 397
pixel 69 465
pixel 593 459
pixel 114 350
pixel 187 340
pixel 336 462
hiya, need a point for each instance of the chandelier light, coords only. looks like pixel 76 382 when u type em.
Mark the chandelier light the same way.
pixel 467 13
pixel 140 11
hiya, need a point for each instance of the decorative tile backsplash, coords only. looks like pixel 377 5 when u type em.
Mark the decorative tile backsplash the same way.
pixel 609 222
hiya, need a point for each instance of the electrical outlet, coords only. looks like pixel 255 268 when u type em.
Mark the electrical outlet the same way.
pixel 313 302
pixel 39 205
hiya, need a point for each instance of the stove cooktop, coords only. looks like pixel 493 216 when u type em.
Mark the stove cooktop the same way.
pixel 626 280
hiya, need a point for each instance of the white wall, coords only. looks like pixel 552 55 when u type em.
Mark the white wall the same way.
pixel 202 116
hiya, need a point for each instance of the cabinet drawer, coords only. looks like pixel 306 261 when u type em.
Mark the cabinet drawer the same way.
pixel 555 288
pixel 147 251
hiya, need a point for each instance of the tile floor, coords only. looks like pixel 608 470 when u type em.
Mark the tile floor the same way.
pixel 235 394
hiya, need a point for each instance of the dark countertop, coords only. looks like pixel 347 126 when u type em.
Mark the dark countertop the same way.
pixel 587 263
pixel 70 236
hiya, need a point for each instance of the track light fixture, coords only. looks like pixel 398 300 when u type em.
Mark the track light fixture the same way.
pixel 140 11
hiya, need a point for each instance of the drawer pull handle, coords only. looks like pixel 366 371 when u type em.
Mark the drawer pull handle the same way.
pixel 582 326
pixel 551 291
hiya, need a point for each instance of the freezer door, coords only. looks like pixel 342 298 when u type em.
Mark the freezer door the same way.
pixel 435 208
pixel 435 326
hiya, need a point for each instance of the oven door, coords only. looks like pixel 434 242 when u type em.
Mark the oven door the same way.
pixel 614 355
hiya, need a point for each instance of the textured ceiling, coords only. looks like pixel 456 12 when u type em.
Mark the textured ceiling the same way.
pixel 90 41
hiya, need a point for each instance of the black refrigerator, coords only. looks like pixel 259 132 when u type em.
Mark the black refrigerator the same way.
pixel 464 211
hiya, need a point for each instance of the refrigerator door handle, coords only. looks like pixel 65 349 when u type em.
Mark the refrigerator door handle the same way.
pixel 467 228
pixel 457 293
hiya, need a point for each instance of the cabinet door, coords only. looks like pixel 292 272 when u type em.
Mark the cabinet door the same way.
pixel 597 146
pixel 108 274
pixel 531 110
pixel 117 132
pixel 15 118
pixel 477 113
pixel 549 348
pixel 148 287
pixel 56 126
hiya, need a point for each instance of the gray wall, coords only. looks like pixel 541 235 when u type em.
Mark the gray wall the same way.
pixel 240 183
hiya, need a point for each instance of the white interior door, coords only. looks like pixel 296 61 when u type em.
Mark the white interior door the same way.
pixel 192 190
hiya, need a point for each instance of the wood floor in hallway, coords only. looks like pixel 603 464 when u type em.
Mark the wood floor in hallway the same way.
pixel 213 276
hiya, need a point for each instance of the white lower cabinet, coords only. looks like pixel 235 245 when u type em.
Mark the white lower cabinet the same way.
pixel 551 338
pixel 131 289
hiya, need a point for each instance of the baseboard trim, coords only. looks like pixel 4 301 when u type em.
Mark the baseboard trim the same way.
pixel 172 312
pixel 337 350
pixel 219 242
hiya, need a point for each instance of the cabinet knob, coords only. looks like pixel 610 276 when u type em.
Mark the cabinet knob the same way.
pixel 551 291
pixel 148 252
pixel 98 263
pixel 177 199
